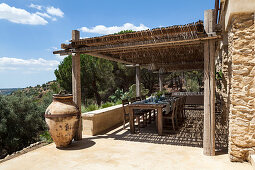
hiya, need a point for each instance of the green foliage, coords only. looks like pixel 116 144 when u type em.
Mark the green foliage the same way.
pixel 124 32
pixel 117 95
pixel 96 76
pixel 148 79
pixel 45 136
pixel 64 74
pixel 219 75
pixel 55 87
pixel 132 92
pixel 107 104
pixel 194 80
pixel 192 86
pixel 101 79
pixel 118 102
pixel 160 93
pixel 20 121
pixel 89 108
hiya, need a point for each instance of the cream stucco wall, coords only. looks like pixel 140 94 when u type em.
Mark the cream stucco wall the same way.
pixel 99 121
pixel 237 6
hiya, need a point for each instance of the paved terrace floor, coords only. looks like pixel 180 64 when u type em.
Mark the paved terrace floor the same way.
pixel 118 149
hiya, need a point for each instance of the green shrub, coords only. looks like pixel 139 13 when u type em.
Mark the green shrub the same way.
pixel 107 104
pixel 20 121
pixel 116 96
pixel 45 136
pixel 118 102
pixel 91 107
pixel 132 92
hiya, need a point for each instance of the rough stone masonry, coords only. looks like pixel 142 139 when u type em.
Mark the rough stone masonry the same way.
pixel 241 50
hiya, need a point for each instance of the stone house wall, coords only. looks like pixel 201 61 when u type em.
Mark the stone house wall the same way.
pixel 223 64
pixel 239 71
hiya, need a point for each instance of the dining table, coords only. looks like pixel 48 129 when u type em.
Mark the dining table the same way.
pixel 140 105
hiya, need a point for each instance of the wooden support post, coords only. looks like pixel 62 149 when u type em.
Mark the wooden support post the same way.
pixel 209 86
pixel 138 81
pixel 160 82
pixel 76 84
pixel 131 120
pixel 160 123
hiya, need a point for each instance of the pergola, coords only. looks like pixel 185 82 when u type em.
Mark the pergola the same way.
pixel 175 48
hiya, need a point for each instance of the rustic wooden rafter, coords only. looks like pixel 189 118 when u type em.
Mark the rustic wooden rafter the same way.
pixel 175 47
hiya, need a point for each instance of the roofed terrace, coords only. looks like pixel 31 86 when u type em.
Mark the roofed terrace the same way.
pixel 183 47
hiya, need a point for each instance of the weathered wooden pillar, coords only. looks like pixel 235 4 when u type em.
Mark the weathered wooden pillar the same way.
pixel 76 84
pixel 160 82
pixel 209 85
pixel 138 81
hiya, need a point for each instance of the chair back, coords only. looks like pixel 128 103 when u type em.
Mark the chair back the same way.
pixel 178 106
pixel 132 100
pixel 143 97
pixel 174 108
pixel 124 104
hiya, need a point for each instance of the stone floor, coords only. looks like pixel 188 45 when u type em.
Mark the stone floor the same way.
pixel 118 149
pixel 189 133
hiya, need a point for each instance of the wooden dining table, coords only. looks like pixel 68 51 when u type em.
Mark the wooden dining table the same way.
pixel 142 105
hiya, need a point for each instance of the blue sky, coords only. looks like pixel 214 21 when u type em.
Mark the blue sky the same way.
pixel 31 29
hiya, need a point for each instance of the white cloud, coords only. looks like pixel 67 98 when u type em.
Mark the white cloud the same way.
pixel 40 64
pixel 43 15
pixel 39 7
pixel 101 29
pixel 20 16
pixel 55 11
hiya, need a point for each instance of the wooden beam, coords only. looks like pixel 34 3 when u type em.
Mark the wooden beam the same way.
pixel 143 44
pixel 76 85
pixel 63 52
pixel 109 58
pixel 209 86
pixel 138 81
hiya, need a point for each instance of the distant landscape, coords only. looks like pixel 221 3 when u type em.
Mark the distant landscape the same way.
pixel 8 91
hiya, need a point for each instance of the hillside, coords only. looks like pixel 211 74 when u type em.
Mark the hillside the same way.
pixel 39 91
pixel 8 91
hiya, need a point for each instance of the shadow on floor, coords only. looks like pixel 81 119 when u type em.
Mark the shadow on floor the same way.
pixel 189 133
pixel 78 145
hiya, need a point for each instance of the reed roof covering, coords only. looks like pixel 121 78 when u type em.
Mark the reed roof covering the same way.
pixel 170 48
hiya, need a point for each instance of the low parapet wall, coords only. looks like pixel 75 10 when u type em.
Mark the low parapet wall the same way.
pixel 99 121
pixel 192 98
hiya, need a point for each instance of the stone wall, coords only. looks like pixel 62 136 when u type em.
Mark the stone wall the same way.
pixel 102 120
pixel 223 64
pixel 241 53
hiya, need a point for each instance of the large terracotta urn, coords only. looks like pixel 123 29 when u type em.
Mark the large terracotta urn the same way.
pixel 62 119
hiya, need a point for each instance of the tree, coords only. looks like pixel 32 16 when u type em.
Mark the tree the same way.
pixel 21 119
pixel 100 78
pixel 96 76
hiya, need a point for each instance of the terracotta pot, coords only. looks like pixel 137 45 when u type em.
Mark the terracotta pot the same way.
pixel 62 118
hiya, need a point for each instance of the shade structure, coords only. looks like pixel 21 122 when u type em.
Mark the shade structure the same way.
pixel 171 48
pixel 175 48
